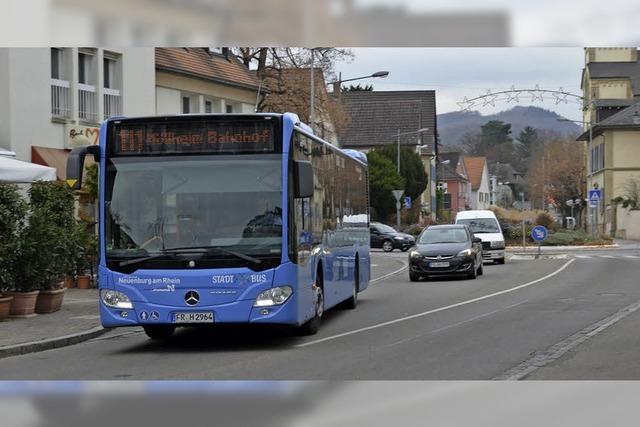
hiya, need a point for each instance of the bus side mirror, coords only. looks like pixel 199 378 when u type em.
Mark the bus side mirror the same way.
pixel 303 174
pixel 75 164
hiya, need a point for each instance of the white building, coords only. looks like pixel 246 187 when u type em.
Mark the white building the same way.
pixel 203 80
pixel 55 98
pixel 479 177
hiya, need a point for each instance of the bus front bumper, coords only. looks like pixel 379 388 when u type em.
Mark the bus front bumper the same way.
pixel 242 311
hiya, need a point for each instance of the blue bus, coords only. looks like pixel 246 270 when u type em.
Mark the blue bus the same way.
pixel 226 218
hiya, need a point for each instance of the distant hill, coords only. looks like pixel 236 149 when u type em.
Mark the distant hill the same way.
pixel 453 126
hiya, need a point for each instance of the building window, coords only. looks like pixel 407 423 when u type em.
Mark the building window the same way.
pixel 56 63
pixel 186 105
pixel 109 68
pixel 446 202
pixel 229 108
pixel 84 68
pixel 597 158
pixel 208 107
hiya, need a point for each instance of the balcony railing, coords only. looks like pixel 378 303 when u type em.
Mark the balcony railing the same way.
pixel 60 98
pixel 111 102
pixel 87 106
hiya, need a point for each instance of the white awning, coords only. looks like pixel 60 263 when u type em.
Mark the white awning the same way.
pixel 17 171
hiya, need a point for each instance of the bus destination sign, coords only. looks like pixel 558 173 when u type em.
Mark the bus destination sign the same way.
pixel 193 137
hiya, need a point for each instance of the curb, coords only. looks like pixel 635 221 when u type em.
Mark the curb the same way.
pixel 513 249
pixel 50 343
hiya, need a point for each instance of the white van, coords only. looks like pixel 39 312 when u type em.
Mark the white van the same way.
pixel 485 225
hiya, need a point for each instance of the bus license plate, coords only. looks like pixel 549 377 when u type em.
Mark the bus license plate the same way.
pixel 438 264
pixel 193 317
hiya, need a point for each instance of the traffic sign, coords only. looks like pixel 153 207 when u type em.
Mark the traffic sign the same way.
pixel 539 233
pixel 397 194
pixel 407 202
pixel 595 196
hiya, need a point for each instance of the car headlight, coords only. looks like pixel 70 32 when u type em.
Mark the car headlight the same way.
pixel 497 244
pixel 274 296
pixel 465 252
pixel 115 299
pixel 398 238
pixel 415 254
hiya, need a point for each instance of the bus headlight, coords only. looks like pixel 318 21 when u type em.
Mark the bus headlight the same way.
pixel 274 296
pixel 115 299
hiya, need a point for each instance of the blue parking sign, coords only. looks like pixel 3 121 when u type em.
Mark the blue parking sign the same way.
pixel 539 233
pixel 407 202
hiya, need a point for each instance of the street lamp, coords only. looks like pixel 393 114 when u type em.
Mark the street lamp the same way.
pixel 398 135
pixel 336 84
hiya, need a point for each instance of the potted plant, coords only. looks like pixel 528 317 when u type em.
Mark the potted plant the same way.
pixel 12 214
pixel 46 247
pixel 86 256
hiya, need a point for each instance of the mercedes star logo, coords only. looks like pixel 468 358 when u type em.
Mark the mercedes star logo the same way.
pixel 191 297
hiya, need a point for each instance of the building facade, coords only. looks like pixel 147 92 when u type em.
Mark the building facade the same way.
pixel 454 181
pixel 203 80
pixel 479 178
pixel 376 118
pixel 55 98
pixel 611 90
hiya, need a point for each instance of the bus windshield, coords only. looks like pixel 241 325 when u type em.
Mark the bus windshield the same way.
pixel 158 203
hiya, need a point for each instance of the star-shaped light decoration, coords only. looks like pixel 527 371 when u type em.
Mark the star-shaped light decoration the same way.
pixel 489 99
pixel 536 93
pixel 465 104
pixel 561 97
pixel 513 94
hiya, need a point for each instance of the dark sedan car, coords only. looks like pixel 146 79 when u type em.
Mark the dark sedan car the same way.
pixel 387 238
pixel 446 250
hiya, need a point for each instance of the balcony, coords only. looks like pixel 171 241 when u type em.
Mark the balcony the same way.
pixel 60 99
pixel 111 102
pixel 87 106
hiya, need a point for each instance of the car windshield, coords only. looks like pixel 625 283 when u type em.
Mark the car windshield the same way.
pixel 385 228
pixel 481 225
pixel 443 235
pixel 154 204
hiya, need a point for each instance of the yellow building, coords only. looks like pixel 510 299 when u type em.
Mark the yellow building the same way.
pixel 611 91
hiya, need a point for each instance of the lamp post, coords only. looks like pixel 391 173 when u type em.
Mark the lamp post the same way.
pixel 398 135
pixel 338 83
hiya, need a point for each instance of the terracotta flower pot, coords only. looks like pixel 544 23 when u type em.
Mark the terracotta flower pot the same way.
pixel 23 304
pixel 84 281
pixel 5 304
pixel 69 282
pixel 49 301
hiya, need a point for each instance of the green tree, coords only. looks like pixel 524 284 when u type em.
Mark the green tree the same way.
pixel 411 169
pixel 529 140
pixel 357 88
pixel 383 179
pixel 496 142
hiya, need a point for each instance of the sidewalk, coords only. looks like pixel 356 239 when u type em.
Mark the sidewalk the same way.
pixel 78 320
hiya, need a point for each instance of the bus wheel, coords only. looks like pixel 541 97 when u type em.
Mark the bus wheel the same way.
pixel 313 325
pixel 352 302
pixel 159 332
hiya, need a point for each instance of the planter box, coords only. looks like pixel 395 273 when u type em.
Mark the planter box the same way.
pixel 49 301
pixel 69 282
pixel 5 305
pixel 23 304
pixel 84 282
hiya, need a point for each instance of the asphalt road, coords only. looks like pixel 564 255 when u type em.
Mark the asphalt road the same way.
pixel 525 319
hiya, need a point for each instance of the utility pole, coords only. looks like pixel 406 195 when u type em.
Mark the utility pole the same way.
pixel 398 152
pixel 311 106
pixel 524 242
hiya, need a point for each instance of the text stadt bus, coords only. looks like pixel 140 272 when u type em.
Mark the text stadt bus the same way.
pixel 226 218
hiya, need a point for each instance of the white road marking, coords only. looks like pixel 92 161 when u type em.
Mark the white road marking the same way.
pixel 607 256
pixel 435 310
pixel 583 256
pixel 542 358
pixel 632 256
pixel 404 267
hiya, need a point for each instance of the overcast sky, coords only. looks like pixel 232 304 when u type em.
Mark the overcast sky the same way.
pixel 458 72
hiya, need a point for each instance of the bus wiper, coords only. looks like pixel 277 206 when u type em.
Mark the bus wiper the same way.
pixel 142 259
pixel 205 249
